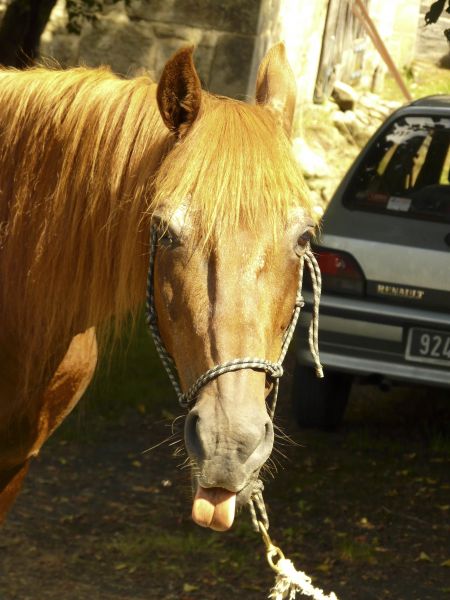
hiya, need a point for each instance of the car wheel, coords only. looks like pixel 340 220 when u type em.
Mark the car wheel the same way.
pixel 319 402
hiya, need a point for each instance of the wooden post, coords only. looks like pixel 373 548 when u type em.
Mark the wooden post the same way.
pixel 360 11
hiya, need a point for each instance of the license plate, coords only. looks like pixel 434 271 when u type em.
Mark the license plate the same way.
pixel 427 345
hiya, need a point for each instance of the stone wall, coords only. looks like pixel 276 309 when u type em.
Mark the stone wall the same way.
pixel 230 37
pixel 143 34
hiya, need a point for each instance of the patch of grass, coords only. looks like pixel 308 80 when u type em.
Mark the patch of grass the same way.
pixel 163 551
pixel 352 550
pixel 139 548
pixel 440 444
pixel 367 440
pixel 422 79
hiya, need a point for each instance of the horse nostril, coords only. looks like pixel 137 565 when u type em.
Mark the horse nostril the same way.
pixel 192 437
pixel 268 432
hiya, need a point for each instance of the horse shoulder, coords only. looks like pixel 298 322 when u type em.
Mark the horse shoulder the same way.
pixel 24 434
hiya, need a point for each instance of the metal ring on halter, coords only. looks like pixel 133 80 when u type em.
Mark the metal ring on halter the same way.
pixel 272 552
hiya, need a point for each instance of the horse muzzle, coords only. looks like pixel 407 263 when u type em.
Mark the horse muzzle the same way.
pixel 228 449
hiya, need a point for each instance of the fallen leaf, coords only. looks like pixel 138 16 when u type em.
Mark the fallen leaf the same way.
pixel 364 523
pixel 324 567
pixel 424 556
pixel 188 587
pixel 446 563
pixel 410 455
pixel 145 489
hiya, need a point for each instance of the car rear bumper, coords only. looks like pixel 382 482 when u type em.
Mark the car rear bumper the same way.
pixel 370 338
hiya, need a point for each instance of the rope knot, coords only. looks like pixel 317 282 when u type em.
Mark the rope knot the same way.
pixel 276 370
pixel 300 302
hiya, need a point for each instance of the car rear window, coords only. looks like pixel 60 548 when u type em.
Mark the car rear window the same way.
pixel 407 171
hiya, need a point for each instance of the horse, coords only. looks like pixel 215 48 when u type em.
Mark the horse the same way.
pixel 89 164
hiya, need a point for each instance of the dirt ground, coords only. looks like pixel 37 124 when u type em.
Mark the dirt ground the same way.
pixel 364 511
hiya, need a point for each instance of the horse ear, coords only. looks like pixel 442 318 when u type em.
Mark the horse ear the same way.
pixel 179 92
pixel 276 87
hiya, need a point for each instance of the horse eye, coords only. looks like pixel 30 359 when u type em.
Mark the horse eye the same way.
pixel 305 238
pixel 166 237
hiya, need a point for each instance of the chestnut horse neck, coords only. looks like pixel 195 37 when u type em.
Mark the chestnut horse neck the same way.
pixel 274 370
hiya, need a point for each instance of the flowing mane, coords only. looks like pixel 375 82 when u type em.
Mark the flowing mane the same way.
pixel 78 151
pixel 82 152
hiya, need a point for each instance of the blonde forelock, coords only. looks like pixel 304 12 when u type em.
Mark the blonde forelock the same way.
pixel 237 169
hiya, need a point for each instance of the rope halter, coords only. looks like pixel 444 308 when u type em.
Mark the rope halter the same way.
pixel 274 370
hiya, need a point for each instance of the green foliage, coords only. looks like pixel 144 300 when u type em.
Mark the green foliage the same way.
pixel 423 79
pixel 80 11
pixel 435 12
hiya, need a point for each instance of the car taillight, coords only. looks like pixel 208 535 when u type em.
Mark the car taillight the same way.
pixel 340 272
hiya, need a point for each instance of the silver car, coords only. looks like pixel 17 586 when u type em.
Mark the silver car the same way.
pixel 384 253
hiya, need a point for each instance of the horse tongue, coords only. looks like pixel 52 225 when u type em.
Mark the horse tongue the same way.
pixel 214 508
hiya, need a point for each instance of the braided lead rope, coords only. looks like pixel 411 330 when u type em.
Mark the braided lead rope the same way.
pixel 313 334
pixel 258 512
pixel 299 304
pixel 151 318
pixel 273 406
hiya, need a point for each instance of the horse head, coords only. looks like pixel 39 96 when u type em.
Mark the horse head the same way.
pixel 233 222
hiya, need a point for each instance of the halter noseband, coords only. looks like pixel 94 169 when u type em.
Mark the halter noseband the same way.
pixel 274 370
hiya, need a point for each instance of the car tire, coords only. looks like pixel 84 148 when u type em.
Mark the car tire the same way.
pixel 320 403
